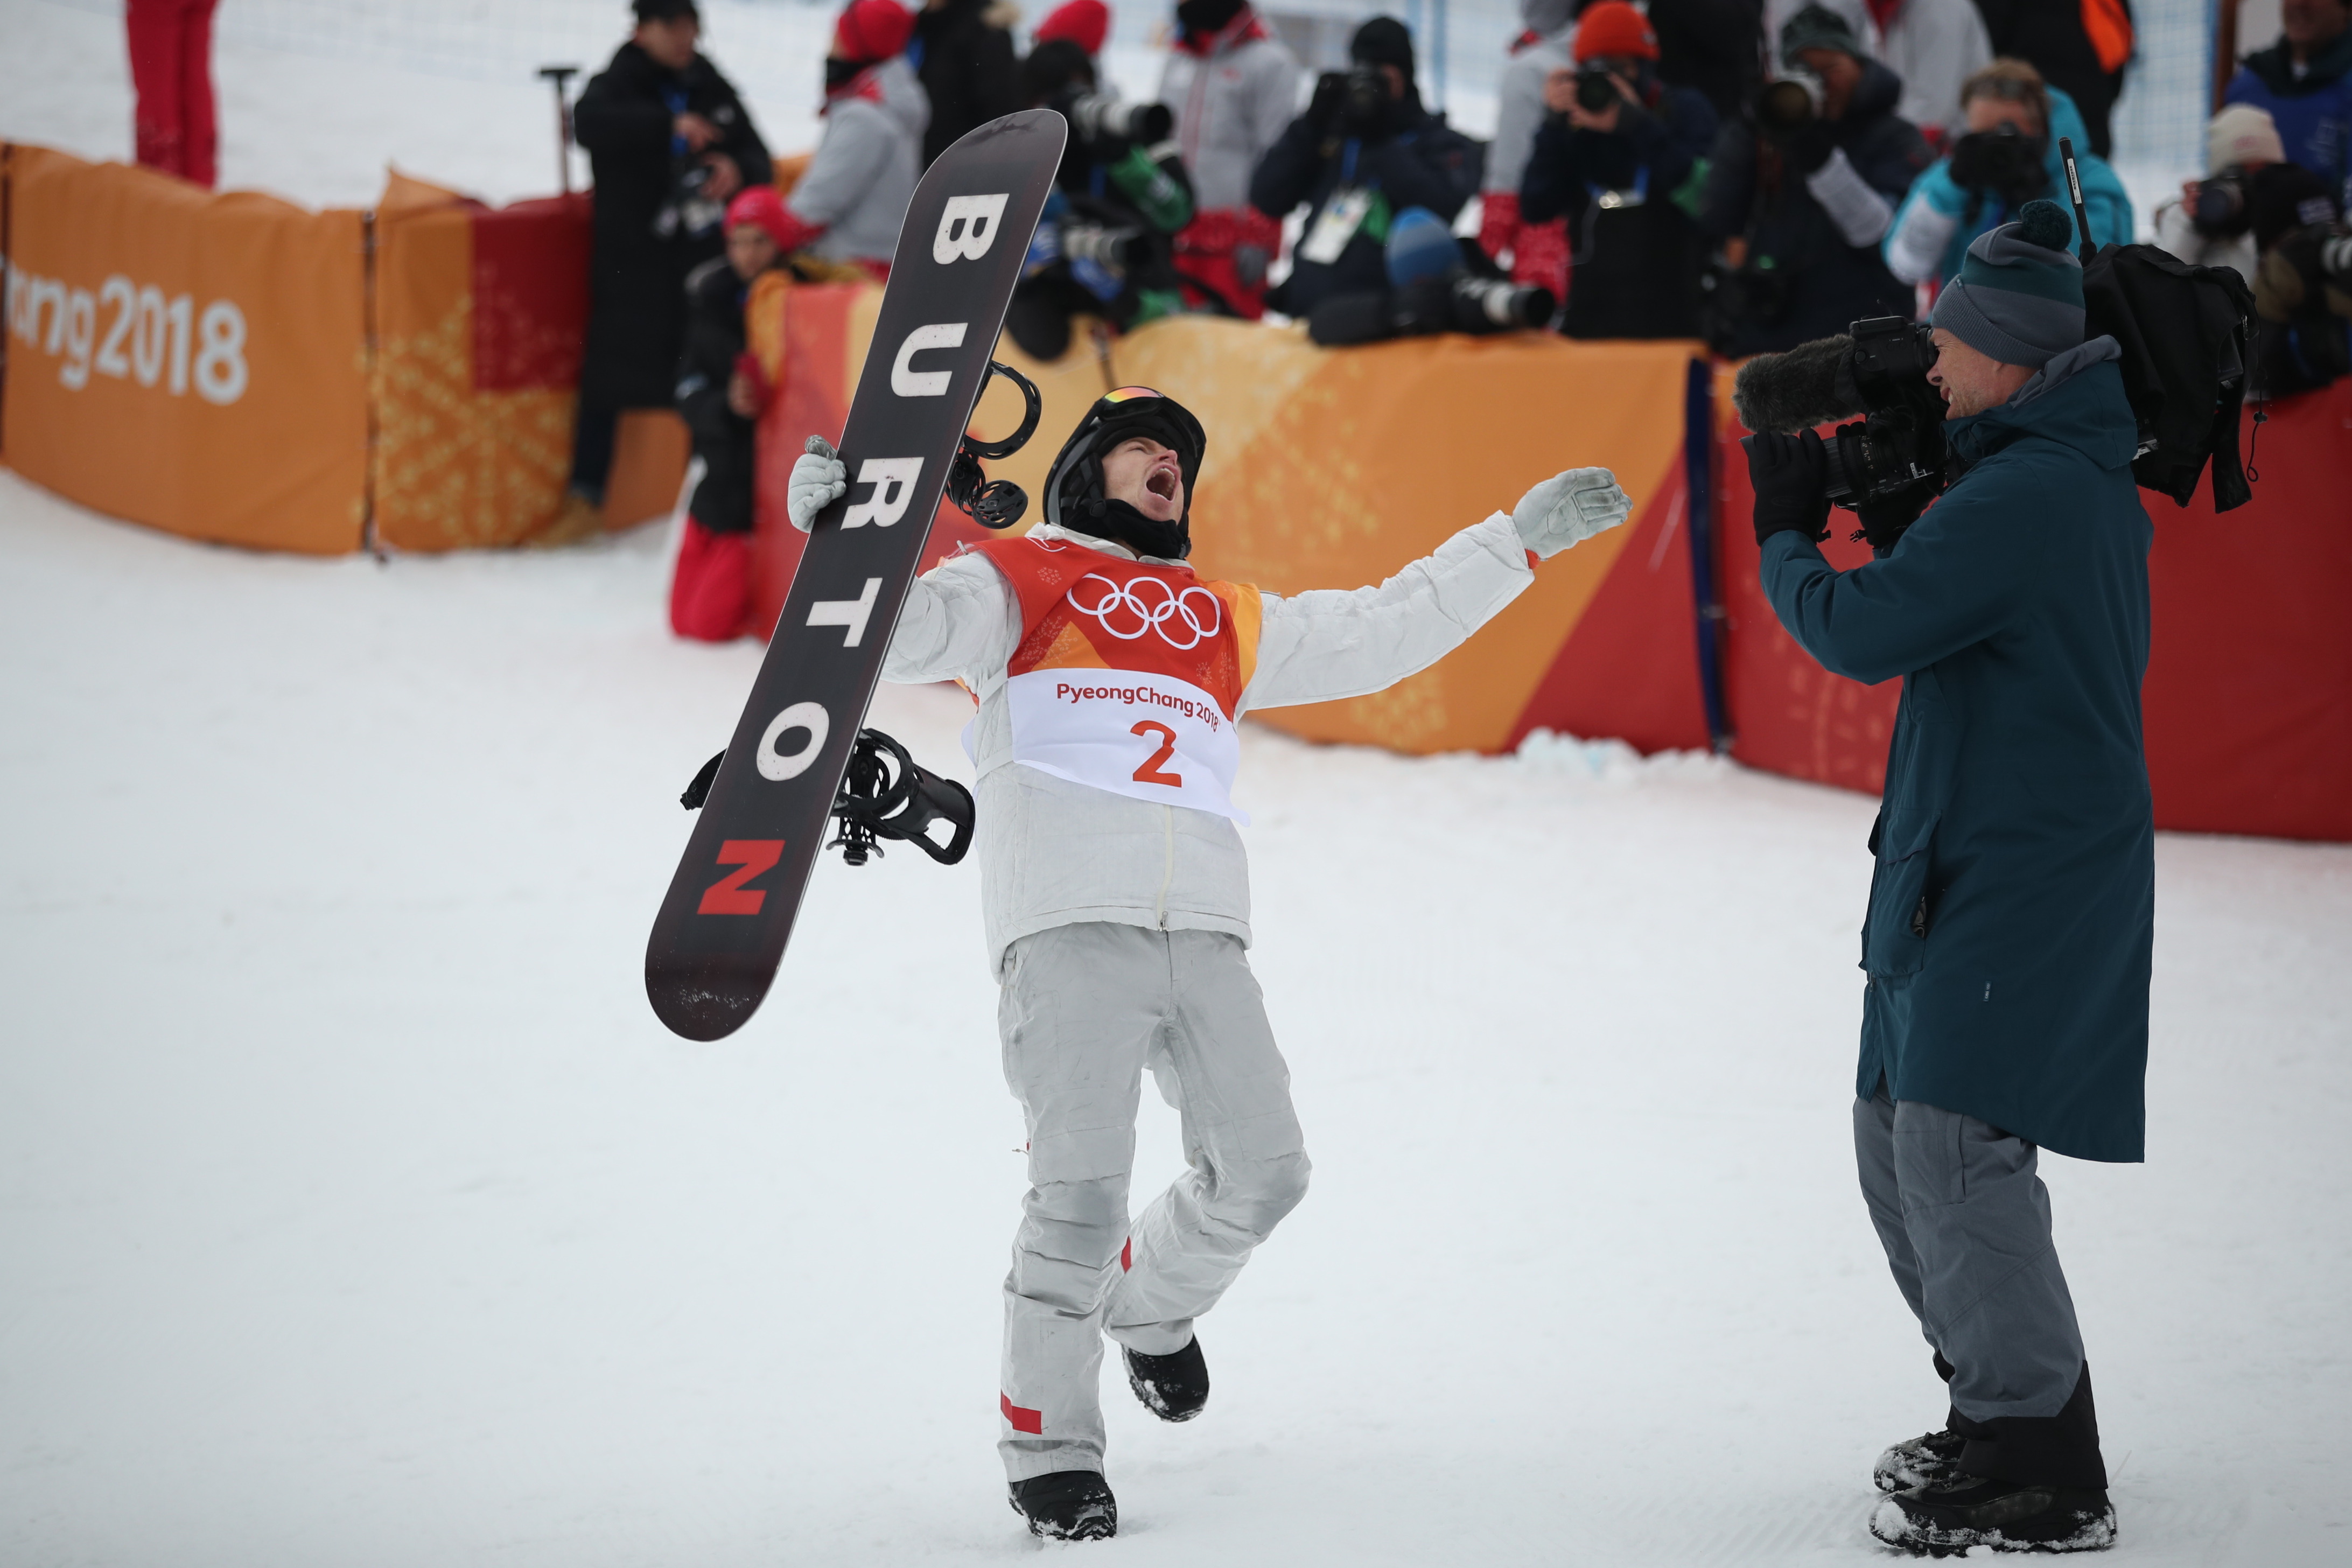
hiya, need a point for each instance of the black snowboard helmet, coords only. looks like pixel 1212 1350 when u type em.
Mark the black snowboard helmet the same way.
pixel 1073 485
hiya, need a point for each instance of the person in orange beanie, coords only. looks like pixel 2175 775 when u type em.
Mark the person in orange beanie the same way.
pixel 1086 23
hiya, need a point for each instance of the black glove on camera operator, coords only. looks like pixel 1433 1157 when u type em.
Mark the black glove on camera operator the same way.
pixel 1105 246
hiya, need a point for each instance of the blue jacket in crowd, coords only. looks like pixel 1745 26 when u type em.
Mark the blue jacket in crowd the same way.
pixel 2313 113
pixel 2012 913
pixel 1940 219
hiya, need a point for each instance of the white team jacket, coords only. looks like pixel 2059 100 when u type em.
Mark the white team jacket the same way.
pixel 1055 853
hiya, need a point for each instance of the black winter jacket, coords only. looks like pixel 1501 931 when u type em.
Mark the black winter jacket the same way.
pixel 965 62
pixel 1424 163
pixel 637 288
pixel 1635 268
pixel 1802 279
pixel 2050 36
pixel 722 437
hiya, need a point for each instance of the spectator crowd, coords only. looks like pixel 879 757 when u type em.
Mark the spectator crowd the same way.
pixel 1754 173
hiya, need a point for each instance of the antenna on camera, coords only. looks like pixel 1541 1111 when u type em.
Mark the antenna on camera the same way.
pixel 2075 189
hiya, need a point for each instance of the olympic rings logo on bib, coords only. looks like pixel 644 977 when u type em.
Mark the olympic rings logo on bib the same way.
pixel 1119 606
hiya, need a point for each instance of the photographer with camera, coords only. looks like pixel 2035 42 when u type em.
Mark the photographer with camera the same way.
pixel 1105 245
pixel 1233 88
pixel 2272 223
pixel 1622 157
pixel 2006 156
pixel 1364 151
pixel 2305 82
pixel 2008 936
pixel 669 145
pixel 1801 195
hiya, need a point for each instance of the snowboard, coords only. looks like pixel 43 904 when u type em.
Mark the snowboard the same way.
pixel 722 928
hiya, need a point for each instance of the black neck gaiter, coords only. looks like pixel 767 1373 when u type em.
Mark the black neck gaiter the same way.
pixel 1116 519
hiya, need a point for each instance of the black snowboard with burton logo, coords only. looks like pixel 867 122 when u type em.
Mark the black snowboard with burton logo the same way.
pixel 722 930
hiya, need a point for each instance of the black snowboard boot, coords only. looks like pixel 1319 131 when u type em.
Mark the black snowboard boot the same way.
pixel 1172 1387
pixel 1945 1517
pixel 1925 1458
pixel 1067 1505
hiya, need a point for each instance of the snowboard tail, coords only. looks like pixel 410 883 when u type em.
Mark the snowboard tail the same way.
pixel 722 929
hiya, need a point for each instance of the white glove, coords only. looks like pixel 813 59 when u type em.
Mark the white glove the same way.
pixel 819 479
pixel 1566 508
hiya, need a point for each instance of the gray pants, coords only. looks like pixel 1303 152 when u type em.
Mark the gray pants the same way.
pixel 1966 1225
pixel 1083 1009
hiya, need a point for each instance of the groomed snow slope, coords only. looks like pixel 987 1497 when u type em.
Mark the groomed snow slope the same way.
pixel 357 1212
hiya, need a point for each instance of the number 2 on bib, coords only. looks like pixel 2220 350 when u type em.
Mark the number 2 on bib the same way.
pixel 1149 772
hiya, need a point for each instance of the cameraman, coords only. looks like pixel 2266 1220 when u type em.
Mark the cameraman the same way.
pixel 2006 157
pixel 1623 156
pixel 1801 195
pixel 669 145
pixel 1105 245
pixel 1364 151
pixel 2008 937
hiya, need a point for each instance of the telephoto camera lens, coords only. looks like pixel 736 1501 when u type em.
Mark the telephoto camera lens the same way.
pixel 1117 249
pixel 1491 304
pixel 2220 206
pixel 1788 103
pixel 1099 114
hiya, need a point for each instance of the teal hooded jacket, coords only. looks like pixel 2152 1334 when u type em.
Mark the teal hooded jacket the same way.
pixel 2013 908
pixel 1938 220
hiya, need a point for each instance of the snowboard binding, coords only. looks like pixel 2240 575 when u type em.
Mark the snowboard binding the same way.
pixel 895 798
pixel 886 793
pixel 992 503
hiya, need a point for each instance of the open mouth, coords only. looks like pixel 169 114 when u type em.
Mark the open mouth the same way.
pixel 1162 482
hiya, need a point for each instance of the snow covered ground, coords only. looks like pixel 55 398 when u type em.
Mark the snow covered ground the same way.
pixel 354 1211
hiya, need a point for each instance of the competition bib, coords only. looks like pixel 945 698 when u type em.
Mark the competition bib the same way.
pixel 1128 674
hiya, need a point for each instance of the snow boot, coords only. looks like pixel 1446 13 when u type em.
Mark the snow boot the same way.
pixel 1929 1458
pixel 1945 1517
pixel 1172 1387
pixel 1067 1505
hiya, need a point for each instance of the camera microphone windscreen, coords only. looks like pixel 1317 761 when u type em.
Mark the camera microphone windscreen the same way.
pixel 1783 394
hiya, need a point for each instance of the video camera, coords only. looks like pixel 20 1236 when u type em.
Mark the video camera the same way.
pixel 1877 369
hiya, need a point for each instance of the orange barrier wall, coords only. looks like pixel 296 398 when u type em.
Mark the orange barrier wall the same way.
pixel 480 316
pixel 185 360
pixel 2248 700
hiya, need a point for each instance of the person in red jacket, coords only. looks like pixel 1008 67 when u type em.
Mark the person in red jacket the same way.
pixel 172 72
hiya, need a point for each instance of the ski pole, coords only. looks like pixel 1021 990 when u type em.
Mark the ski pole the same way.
pixel 556 77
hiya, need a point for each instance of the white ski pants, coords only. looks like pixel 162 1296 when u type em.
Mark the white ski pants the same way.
pixel 1083 1009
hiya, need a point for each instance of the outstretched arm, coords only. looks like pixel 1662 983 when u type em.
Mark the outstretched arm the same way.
pixel 1317 647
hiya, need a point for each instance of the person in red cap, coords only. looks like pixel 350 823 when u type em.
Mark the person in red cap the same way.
pixel 720 395
pixel 1086 23
pixel 1623 156
pixel 847 206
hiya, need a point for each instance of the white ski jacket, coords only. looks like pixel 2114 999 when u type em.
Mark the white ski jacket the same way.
pixel 1232 105
pixel 1055 853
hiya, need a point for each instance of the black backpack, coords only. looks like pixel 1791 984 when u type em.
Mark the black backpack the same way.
pixel 2182 329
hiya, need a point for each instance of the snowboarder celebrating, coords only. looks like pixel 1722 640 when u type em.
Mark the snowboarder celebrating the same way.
pixel 1117 894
